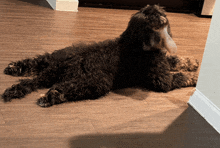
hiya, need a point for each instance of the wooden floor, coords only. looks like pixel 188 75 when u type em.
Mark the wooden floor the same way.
pixel 128 118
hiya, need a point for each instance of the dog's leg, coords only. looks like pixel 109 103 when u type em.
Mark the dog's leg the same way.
pixel 169 81
pixel 75 90
pixel 184 79
pixel 44 80
pixel 28 67
pixel 25 86
pixel 183 63
pixel 53 96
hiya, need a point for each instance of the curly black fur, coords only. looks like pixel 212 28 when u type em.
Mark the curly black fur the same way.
pixel 91 71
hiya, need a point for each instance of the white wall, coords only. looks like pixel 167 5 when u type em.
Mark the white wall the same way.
pixel 52 3
pixel 209 76
pixel 206 99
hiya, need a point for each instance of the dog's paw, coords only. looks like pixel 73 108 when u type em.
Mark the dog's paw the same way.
pixel 44 102
pixel 52 97
pixel 192 78
pixel 13 69
pixel 193 64
pixel 6 97
pixel 184 64
pixel 16 91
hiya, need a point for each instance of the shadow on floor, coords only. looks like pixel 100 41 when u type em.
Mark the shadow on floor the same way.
pixel 42 3
pixel 134 93
pixel 189 130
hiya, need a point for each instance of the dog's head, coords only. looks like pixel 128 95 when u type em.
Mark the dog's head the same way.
pixel 150 29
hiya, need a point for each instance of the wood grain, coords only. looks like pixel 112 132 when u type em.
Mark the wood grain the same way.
pixel 125 118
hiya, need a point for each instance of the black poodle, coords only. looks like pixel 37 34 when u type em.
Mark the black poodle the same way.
pixel 136 59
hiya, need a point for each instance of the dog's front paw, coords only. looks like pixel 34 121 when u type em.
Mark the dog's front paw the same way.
pixel 191 78
pixel 44 102
pixel 13 69
pixel 16 91
pixel 52 97
pixel 185 64
pixel 193 64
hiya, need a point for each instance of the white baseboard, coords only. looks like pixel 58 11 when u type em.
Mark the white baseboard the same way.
pixel 208 110
pixel 67 5
pixel 64 5
pixel 208 7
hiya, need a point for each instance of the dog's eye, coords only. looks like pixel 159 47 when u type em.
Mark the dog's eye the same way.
pixel 157 22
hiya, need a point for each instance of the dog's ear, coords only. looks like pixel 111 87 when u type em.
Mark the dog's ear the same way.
pixel 134 34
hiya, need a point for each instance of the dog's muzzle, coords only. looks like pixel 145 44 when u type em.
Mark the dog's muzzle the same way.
pixel 166 42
